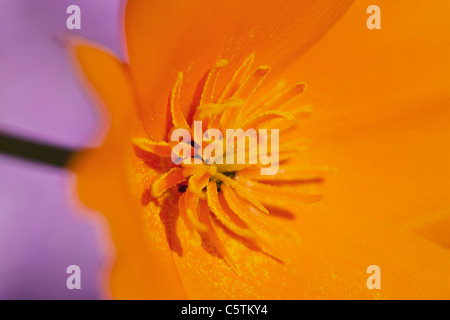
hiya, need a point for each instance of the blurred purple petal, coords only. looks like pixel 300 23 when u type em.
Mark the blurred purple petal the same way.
pixel 41 234
pixel 40 96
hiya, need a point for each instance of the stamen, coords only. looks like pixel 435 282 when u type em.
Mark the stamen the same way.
pixel 171 178
pixel 205 218
pixel 197 182
pixel 221 215
pixel 175 106
pixel 210 84
pixel 266 116
pixel 252 83
pixel 237 79
pixel 214 109
pixel 239 207
pixel 162 149
pixel 188 209
pixel 288 173
pixel 282 100
pixel 282 125
pixel 243 191
pixel 276 196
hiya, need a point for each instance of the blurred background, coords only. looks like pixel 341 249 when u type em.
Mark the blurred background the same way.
pixel 44 116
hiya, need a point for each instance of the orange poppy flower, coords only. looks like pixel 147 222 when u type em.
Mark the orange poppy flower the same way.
pixel 381 114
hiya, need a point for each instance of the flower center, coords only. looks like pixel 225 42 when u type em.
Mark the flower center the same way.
pixel 220 162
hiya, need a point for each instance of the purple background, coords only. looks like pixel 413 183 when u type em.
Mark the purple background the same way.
pixel 41 231
pixel 40 96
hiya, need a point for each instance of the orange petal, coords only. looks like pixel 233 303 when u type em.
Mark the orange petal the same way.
pixel 164 39
pixel 392 170
pixel 388 147
pixel 102 185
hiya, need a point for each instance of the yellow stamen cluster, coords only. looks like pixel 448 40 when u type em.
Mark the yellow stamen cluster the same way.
pixel 232 193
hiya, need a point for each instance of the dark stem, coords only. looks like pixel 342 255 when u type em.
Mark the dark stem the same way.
pixel 35 151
